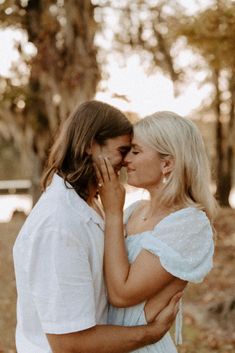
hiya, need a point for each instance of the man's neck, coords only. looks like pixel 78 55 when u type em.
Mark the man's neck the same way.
pixel 92 195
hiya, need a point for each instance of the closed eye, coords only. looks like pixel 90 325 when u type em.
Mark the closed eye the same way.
pixel 124 151
pixel 135 149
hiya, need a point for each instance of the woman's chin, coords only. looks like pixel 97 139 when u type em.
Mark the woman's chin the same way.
pixel 132 183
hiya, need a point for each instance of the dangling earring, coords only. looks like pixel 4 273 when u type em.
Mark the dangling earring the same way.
pixel 164 180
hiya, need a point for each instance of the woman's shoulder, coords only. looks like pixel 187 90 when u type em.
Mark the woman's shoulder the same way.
pixel 134 207
pixel 187 215
pixel 187 220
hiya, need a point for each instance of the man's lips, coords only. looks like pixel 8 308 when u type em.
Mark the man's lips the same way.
pixel 117 168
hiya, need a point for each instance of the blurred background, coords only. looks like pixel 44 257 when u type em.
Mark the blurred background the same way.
pixel 140 56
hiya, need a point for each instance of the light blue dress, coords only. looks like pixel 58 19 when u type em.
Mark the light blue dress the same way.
pixel 183 241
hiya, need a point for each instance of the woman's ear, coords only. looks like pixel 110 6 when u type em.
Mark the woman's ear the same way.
pixel 167 165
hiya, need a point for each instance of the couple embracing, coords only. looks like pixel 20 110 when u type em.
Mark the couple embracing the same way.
pixel 92 278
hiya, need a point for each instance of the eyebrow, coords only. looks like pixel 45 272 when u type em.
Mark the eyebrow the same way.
pixel 125 148
pixel 134 145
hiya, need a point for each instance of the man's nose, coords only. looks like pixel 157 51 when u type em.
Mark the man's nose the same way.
pixel 125 161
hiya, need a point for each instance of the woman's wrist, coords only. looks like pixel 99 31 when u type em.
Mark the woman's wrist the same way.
pixel 114 215
pixel 112 222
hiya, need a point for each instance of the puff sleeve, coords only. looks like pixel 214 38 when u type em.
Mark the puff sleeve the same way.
pixel 183 241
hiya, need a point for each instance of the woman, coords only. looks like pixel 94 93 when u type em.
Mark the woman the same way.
pixel 169 238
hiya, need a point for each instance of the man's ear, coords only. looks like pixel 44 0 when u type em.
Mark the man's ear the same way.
pixel 93 148
pixel 167 165
pixel 89 150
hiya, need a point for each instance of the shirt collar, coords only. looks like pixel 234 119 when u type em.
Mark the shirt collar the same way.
pixel 78 204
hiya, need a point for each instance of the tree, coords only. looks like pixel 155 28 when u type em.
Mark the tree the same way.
pixel 62 73
pixel 157 29
pixel 211 33
pixel 143 27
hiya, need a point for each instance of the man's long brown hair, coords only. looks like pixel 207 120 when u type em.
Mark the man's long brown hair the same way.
pixel 91 121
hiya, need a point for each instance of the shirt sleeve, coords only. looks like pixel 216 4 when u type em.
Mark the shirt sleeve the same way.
pixel 60 281
pixel 184 244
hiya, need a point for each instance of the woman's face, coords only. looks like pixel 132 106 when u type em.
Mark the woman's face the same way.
pixel 144 165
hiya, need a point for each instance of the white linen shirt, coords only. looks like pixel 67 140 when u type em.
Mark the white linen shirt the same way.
pixel 58 259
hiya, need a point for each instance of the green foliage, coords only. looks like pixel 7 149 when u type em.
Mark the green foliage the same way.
pixel 47 84
pixel 212 33
pixel 145 29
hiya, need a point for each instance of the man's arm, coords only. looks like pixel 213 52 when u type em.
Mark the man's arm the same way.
pixel 116 339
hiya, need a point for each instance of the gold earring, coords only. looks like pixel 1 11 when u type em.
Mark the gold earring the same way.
pixel 164 180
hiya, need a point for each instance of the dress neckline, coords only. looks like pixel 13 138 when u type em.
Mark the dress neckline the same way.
pixel 128 236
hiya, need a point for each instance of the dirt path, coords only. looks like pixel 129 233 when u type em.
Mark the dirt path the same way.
pixel 209 324
pixel 8 233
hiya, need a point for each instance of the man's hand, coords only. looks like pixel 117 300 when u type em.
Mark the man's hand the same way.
pixel 116 339
pixel 165 319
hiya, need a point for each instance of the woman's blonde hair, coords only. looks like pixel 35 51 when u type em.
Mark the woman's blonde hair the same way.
pixel 189 182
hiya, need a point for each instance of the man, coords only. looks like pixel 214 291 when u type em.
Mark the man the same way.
pixel 58 254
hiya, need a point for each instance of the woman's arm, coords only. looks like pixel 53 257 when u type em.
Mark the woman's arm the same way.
pixel 155 304
pixel 128 284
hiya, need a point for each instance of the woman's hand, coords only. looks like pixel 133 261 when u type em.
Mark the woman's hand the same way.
pixel 111 192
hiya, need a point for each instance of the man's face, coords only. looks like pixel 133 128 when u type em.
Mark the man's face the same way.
pixel 114 148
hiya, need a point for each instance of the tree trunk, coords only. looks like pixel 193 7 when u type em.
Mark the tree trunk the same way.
pixel 224 148
pixel 63 74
